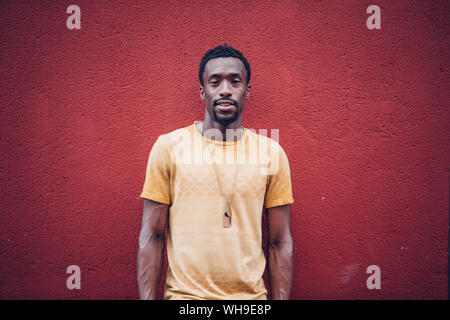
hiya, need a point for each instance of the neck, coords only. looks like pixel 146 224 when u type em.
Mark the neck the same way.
pixel 231 132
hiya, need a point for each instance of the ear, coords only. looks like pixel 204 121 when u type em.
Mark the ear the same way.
pixel 202 93
pixel 247 91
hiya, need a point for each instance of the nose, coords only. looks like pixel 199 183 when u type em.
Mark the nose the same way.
pixel 225 90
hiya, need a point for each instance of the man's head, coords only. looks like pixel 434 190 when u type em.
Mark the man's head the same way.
pixel 224 76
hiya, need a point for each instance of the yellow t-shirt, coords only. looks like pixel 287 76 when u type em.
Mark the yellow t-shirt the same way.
pixel 207 260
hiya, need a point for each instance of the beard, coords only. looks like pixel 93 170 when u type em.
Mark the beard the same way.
pixel 225 121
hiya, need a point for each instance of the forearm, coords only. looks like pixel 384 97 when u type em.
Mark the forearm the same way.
pixel 149 264
pixel 280 269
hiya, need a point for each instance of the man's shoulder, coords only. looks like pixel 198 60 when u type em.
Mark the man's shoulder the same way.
pixel 171 137
pixel 263 140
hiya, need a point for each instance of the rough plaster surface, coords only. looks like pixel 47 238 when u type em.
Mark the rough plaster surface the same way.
pixel 363 117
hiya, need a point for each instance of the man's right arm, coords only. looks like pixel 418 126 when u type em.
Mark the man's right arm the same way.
pixel 151 248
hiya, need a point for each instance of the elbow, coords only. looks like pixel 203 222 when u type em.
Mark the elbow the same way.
pixel 148 237
pixel 286 244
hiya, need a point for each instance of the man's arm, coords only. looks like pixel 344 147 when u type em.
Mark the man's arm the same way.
pixel 280 252
pixel 151 248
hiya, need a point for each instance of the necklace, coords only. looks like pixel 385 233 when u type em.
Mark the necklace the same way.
pixel 228 212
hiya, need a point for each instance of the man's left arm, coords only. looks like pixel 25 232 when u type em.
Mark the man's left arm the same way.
pixel 280 252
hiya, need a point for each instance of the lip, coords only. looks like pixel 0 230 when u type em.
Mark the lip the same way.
pixel 225 102
pixel 225 107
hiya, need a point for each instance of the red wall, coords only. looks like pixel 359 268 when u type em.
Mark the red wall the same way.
pixel 363 117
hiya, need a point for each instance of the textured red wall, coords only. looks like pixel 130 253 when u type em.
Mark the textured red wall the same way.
pixel 363 117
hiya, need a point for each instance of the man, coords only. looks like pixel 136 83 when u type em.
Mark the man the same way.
pixel 213 208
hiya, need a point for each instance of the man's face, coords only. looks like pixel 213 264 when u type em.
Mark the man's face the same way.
pixel 225 89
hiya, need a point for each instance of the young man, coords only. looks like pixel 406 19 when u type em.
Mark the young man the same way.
pixel 209 182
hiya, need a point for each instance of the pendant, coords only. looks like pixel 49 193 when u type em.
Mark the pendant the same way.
pixel 226 220
pixel 227 216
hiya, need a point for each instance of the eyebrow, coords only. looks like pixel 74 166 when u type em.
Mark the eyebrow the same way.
pixel 218 75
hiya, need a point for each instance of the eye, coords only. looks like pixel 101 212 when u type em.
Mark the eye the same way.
pixel 236 81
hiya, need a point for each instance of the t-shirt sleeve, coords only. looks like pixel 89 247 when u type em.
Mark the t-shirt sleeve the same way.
pixel 157 176
pixel 279 187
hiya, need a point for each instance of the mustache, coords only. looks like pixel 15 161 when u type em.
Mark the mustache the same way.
pixel 231 101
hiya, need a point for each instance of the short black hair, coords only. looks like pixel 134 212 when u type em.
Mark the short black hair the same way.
pixel 222 51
